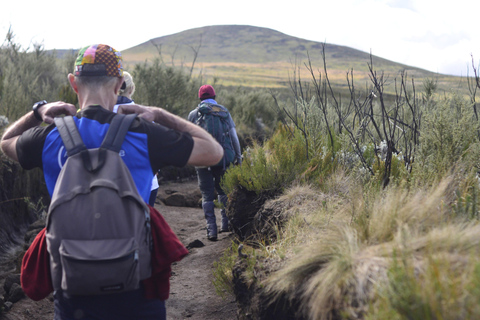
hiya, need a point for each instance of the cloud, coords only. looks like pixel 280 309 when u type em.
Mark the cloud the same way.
pixel 402 4
pixel 441 41
pixel 421 33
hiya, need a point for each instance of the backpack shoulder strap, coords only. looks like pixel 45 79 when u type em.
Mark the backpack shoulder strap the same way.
pixel 113 139
pixel 70 136
pixel 204 108
pixel 116 133
pixel 72 140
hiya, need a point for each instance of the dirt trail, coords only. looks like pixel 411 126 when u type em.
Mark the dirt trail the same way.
pixel 192 293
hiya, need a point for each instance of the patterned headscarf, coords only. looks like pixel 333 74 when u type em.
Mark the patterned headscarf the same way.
pixel 98 60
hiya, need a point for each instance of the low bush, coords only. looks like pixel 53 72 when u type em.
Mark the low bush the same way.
pixel 281 161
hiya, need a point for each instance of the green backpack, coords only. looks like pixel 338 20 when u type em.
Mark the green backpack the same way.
pixel 214 119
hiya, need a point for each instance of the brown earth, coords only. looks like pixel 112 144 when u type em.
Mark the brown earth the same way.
pixel 192 293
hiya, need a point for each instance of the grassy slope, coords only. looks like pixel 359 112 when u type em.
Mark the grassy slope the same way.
pixel 259 57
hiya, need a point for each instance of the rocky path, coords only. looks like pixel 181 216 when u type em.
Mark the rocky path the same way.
pixel 192 293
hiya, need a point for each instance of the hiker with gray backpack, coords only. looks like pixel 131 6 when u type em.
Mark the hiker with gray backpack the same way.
pixel 109 253
pixel 215 119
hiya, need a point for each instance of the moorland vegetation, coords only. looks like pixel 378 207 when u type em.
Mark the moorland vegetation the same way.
pixel 370 200
pixel 370 205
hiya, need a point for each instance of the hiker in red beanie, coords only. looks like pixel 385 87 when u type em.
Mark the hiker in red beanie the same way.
pixel 218 122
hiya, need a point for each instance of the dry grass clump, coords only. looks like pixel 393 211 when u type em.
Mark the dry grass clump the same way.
pixel 309 212
pixel 420 210
pixel 393 255
pixel 295 208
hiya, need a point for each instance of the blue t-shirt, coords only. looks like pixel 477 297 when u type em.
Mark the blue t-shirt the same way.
pixel 147 147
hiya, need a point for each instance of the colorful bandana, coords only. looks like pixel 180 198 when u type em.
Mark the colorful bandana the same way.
pixel 98 60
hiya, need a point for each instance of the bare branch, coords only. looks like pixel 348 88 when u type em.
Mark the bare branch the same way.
pixel 159 49
pixel 195 50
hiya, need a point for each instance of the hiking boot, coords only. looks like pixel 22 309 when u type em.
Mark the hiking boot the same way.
pixel 224 227
pixel 211 237
pixel 223 200
pixel 212 232
pixel 209 211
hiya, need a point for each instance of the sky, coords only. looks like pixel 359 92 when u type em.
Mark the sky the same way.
pixel 439 36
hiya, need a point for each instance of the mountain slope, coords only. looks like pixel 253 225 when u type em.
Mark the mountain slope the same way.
pixel 254 56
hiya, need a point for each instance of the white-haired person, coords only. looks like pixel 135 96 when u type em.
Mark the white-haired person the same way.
pixel 124 98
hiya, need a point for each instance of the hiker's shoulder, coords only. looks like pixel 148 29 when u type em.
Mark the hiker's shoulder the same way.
pixel 212 106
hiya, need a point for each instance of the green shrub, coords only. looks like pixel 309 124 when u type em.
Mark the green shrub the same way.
pixel 449 137
pixel 27 77
pixel 473 293
pixel 439 288
pixel 281 161
pixel 467 195
pixel 252 111
pixel 166 87
pixel 255 174
pixel 222 272
pixel 398 171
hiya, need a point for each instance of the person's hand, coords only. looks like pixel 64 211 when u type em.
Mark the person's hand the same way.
pixel 238 161
pixel 54 109
pixel 142 111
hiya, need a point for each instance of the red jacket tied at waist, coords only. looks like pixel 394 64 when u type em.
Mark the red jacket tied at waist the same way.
pixel 36 279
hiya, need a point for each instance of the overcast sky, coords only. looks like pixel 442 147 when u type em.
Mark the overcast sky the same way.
pixel 439 36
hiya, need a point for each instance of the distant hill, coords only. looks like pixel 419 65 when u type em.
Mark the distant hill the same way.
pixel 250 56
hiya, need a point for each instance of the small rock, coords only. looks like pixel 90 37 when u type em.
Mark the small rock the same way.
pixel 195 244
pixel 176 200
pixel 16 293
pixel 7 306
pixel 10 280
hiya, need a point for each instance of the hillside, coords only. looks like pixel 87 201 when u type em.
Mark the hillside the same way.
pixel 259 57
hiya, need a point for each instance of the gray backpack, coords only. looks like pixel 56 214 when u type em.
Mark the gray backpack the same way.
pixel 98 226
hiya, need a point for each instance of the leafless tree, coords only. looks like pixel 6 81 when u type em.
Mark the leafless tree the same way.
pixel 361 107
pixel 298 118
pixel 320 89
pixel 393 124
pixel 173 55
pixel 299 112
pixel 195 50
pixel 158 47
pixel 301 90
pixel 472 87
pixel 409 121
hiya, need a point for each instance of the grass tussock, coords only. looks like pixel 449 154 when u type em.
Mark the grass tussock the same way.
pixel 412 248
pixel 399 208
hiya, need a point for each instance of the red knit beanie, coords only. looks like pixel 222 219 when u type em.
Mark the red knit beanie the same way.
pixel 206 92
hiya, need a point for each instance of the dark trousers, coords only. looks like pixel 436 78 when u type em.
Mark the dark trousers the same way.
pixel 125 306
pixel 153 197
pixel 209 182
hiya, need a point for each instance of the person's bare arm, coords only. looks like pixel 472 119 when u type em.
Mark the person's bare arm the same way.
pixel 206 150
pixel 8 144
